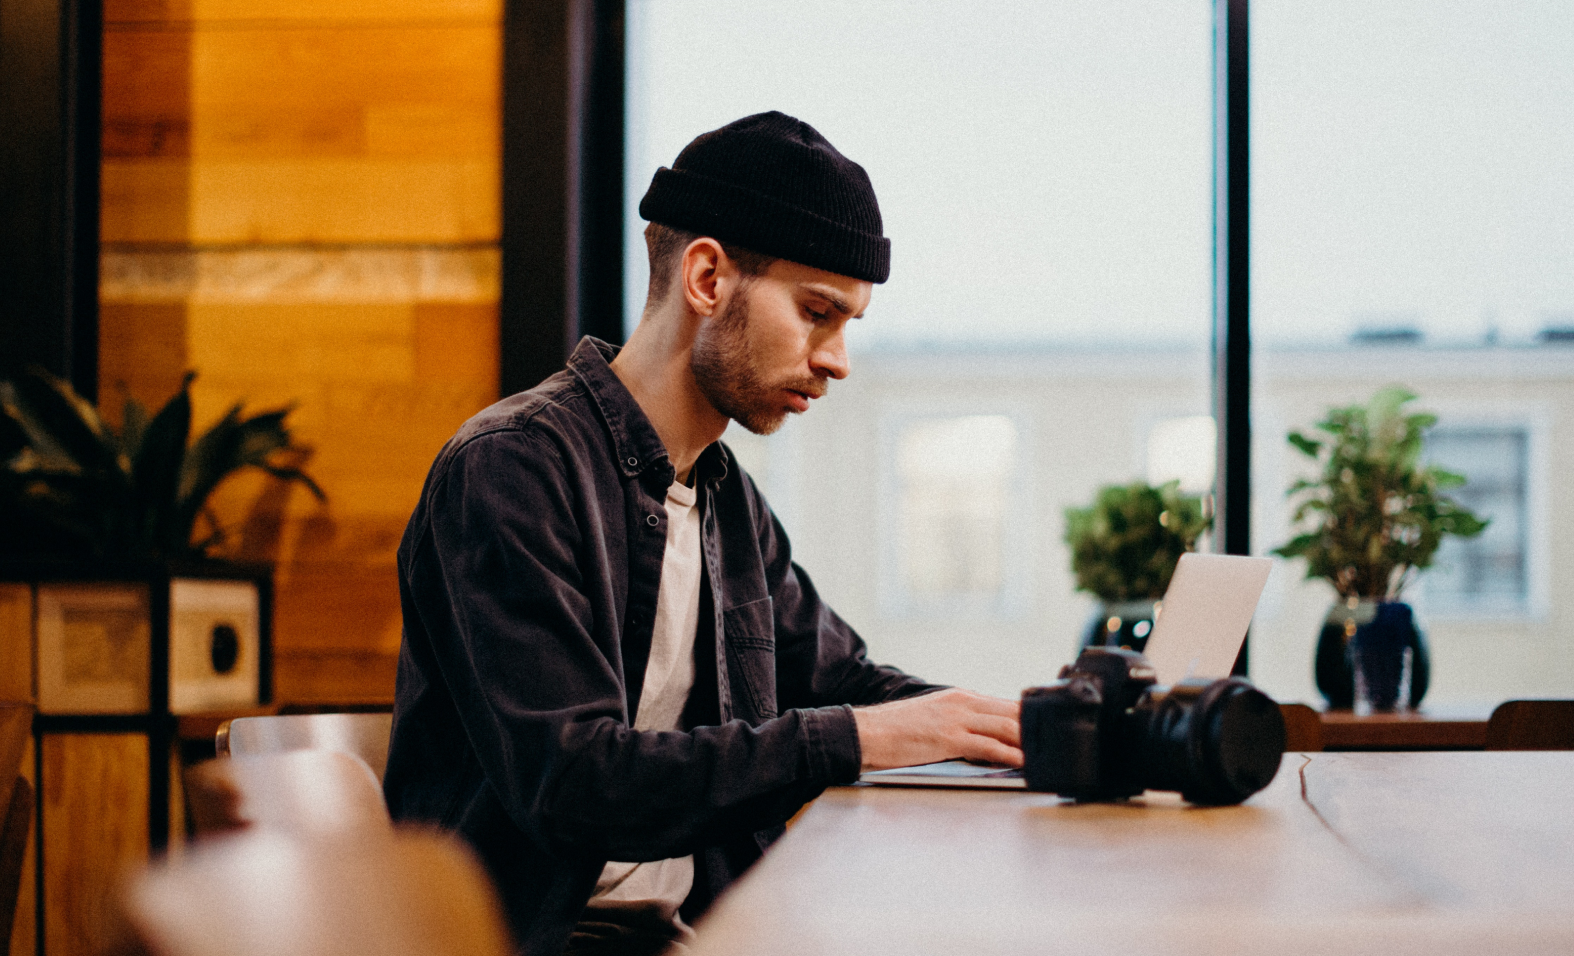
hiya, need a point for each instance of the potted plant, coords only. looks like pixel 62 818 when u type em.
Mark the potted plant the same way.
pixel 1124 549
pixel 111 532
pixel 1373 519
pixel 131 498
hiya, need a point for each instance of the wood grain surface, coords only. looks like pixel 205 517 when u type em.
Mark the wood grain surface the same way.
pixel 300 203
pixel 1391 853
pixel 1446 728
pixel 16 642
pixel 94 803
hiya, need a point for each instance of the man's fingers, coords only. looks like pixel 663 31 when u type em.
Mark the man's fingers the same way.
pixel 998 706
pixel 989 750
pixel 1007 730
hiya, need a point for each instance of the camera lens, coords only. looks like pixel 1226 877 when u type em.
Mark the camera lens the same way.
pixel 1217 742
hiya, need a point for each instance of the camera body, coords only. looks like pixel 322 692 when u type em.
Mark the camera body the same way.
pixel 1106 730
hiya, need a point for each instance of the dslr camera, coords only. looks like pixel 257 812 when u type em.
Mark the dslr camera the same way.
pixel 1106 730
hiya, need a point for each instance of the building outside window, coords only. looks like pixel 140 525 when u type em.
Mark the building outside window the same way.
pixel 1045 175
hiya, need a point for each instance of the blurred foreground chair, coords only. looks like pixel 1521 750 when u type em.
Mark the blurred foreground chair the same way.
pixel 1303 729
pixel 16 811
pixel 270 893
pixel 365 735
pixel 299 791
pixel 1532 725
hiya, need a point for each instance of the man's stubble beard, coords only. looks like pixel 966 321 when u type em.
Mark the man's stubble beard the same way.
pixel 730 379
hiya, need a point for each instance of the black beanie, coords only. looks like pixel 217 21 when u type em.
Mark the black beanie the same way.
pixel 773 185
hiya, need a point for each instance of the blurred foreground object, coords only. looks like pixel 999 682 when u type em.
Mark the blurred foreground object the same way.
pixel 364 735
pixel 268 893
pixel 305 792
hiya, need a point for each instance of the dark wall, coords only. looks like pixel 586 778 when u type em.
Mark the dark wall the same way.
pixel 563 75
pixel 50 66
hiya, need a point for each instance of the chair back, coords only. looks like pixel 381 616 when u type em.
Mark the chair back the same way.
pixel 365 735
pixel 270 893
pixel 1303 728
pixel 299 791
pixel 16 811
pixel 1532 725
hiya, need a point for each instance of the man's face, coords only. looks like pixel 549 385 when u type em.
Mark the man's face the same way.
pixel 776 343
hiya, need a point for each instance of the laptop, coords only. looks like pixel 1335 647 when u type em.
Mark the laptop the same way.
pixel 1198 632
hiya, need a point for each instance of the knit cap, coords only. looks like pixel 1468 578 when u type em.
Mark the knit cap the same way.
pixel 772 184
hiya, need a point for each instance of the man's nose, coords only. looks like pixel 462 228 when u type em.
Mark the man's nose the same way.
pixel 829 356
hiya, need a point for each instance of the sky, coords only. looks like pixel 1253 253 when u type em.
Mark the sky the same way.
pixel 1045 170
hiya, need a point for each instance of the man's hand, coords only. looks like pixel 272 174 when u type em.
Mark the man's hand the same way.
pixel 941 726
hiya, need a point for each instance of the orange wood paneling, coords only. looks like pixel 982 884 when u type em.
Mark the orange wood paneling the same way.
pixel 142 354
pixel 118 12
pixel 95 812
pixel 287 124
pixel 302 134
pixel 16 643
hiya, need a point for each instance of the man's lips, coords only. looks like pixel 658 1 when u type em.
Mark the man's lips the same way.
pixel 799 398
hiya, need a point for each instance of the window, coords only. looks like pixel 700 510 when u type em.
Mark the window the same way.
pixel 1411 190
pixel 1489 573
pixel 948 520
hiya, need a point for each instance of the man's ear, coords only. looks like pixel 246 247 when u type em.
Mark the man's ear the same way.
pixel 704 268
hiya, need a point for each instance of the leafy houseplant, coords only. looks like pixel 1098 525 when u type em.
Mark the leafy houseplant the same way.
pixel 73 488
pixel 1124 549
pixel 1376 517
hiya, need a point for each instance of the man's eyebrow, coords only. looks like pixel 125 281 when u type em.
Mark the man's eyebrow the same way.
pixel 837 300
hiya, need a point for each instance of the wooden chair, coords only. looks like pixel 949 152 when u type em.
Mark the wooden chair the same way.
pixel 1303 729
pixel 270 893
pixel 16 811
pixel 300 791
pixel 1532 725
pixel 365 735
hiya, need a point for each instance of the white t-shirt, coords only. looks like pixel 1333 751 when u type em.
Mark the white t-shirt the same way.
pixel 669 677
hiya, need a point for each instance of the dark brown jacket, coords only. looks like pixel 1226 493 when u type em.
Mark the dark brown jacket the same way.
pixel 528 577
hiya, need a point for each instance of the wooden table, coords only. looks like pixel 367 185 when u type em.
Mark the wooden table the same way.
pixel 1383 853
pixel 1462 727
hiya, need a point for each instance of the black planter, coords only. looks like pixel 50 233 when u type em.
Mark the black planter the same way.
pixel 1132 625
pixel 1332 666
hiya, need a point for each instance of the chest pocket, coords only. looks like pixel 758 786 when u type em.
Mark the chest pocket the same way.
pixel 751 656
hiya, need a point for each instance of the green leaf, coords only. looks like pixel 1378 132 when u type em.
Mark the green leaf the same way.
pixel 157 470
pixel 54 412
pixel 1307 446
pixel 133 426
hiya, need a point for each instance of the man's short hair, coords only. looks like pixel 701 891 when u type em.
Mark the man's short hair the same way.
pixel 666 244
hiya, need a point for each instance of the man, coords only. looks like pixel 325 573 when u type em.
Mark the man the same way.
pixel 608 653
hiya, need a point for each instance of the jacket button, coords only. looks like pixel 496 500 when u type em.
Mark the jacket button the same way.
pixel 652 520
pixel 633 462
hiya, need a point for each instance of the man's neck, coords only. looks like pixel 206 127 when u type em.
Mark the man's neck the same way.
pixel 655 367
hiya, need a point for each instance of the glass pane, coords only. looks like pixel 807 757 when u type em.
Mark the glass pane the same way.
pixel 1412 189
pixel 1044 175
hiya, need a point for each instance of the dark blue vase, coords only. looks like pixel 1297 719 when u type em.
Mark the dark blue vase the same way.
pixel 1389 625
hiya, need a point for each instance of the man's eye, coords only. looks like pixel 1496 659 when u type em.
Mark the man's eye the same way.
pixel 817 316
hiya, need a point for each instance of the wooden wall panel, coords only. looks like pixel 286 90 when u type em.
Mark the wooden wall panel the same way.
pixel 95 807
pixel 301 204
pixel 239 133
pixel 178 11
pixel 16 642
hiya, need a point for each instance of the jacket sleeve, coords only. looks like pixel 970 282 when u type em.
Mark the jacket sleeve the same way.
pixel 820 659
pixel 498 585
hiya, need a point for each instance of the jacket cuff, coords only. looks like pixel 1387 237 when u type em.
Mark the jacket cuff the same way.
pixel 834 755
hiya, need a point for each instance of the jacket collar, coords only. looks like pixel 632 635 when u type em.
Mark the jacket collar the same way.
pixel 634 439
